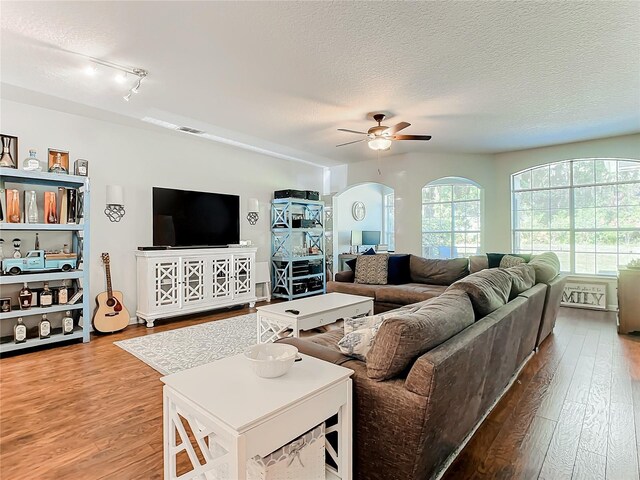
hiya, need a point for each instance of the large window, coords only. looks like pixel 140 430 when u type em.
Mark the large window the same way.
pixel 586 210
pixel 388 221
pixel 451 218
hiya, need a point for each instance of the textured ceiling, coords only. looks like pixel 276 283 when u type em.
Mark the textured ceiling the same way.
pixel 478 76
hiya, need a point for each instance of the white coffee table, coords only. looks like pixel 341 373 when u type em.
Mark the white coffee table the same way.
pixel 235 415
pixel 274 320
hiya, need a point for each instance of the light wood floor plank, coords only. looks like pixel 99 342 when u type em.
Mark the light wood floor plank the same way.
pixel 622 454
pixel 560 458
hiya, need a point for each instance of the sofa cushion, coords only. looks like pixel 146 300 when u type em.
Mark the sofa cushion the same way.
pixel 494 259
pixel 399 269
pixel 352 263
pixel 352 288
pixel 523 277
pixel 488 290
pixel 372 269
pixel 547 266
pixel 404 337
pixel 477 263
pixel 408 293
pixel 510 261
pixel 438 272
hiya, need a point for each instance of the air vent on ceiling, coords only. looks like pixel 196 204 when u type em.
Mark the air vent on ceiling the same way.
pixel 193 131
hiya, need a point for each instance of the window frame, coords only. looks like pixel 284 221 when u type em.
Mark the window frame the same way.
pixel 388 220
pixel 452 182
pixel 572 187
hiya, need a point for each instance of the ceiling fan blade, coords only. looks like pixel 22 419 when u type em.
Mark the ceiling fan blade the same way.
pixel 412 137
pixel 351 131
pixel 349 143
pixel 396 128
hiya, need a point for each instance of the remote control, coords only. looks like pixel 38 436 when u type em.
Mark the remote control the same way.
pixel 292 311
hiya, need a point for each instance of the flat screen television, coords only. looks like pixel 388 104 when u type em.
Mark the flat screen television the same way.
pixel 184 218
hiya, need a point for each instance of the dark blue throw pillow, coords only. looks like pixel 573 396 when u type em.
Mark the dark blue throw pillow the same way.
pixel 494 259
pixel 352 263
pixel 398 272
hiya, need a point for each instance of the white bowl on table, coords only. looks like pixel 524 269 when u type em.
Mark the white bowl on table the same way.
pixel 271 360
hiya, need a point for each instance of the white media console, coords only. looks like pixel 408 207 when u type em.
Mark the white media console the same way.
pixel 179 282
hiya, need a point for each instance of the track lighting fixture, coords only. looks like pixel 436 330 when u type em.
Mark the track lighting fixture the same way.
pixel 124 74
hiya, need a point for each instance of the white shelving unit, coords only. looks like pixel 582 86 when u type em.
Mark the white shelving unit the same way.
pixel 286 241
pixel 53 181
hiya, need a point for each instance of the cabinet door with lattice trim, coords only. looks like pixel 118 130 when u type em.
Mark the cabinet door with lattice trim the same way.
pixel 166 286
pixel 193 281
pixel 244 283
pixel 222 277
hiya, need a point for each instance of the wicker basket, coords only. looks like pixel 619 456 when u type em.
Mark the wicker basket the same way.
pixel 302 459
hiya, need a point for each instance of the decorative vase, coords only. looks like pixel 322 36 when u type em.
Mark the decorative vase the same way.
pixel 6 160
pixel 32 207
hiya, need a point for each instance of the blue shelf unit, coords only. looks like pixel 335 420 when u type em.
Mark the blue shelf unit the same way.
pixel 298 259
pixel 80 234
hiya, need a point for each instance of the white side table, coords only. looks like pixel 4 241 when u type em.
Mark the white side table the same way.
pixel 235 415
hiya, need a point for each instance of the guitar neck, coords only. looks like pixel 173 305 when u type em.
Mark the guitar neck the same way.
pixel 107 269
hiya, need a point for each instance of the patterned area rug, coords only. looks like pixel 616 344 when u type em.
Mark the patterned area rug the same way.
pixel 187 347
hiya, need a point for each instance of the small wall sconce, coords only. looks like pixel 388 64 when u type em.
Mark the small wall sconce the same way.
pixel 253 208
pixel 115 203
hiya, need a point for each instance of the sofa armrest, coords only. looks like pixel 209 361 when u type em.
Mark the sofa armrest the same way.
pixel 551 306
pixel 347 276
pixel 315 350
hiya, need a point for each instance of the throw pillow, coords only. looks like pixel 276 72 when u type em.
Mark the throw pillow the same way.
pixel 403 337
pixel 478 262
pixel 399 271
pixel 352 263
pixel 372 269
pixel 511 261
pixel 438 272
pixel 494 259
pixel 487 289
pixel 547 266
pixel 523 277
pixel 359 333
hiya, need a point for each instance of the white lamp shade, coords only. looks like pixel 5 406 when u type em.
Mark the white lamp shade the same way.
pixel 253 205
pixel 115 195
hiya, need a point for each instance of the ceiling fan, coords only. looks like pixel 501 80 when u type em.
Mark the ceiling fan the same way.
pixel 380 137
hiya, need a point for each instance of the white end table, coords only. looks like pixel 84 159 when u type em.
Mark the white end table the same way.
pixel 236 415
pixel 274 320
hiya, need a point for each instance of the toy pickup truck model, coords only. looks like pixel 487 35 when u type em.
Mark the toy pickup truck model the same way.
pixel 38 261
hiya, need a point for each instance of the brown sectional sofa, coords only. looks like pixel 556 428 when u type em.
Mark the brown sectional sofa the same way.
pixel 408 426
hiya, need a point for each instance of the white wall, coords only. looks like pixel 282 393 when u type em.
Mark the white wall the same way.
pixel 139 159
pixel 408 173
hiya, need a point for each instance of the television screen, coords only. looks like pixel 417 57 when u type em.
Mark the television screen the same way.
pixel 371 238
pixel 183 218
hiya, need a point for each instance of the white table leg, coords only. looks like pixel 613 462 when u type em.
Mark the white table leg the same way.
pixel 238 463
pixel 169 434
pixel 345 435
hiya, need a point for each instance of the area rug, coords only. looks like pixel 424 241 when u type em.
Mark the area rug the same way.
pixel 187 347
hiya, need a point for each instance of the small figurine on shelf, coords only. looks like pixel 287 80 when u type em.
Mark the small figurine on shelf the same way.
pixel 16 248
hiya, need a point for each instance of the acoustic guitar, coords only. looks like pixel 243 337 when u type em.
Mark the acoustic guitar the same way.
pixel 111 314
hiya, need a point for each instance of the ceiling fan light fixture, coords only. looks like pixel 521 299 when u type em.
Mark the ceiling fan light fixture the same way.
pixel 379 143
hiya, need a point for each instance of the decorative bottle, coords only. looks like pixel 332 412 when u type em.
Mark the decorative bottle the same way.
pixel 20 332
pixel 26 297
pixel 57 165
pixel 37 244
pixel 32 207
pixel 31 163
pixel 46 296
pixel 52 216
pixel 44 327
pixel 7 160
pixel 63 294
pixel 67 323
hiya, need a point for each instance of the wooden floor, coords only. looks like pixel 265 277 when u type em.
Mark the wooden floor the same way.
pixel 94 411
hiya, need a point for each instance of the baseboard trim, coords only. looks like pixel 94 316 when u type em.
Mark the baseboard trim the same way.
pixel 466 440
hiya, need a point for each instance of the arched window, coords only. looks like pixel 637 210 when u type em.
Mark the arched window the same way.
pixel 585 210
pixel 451 218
